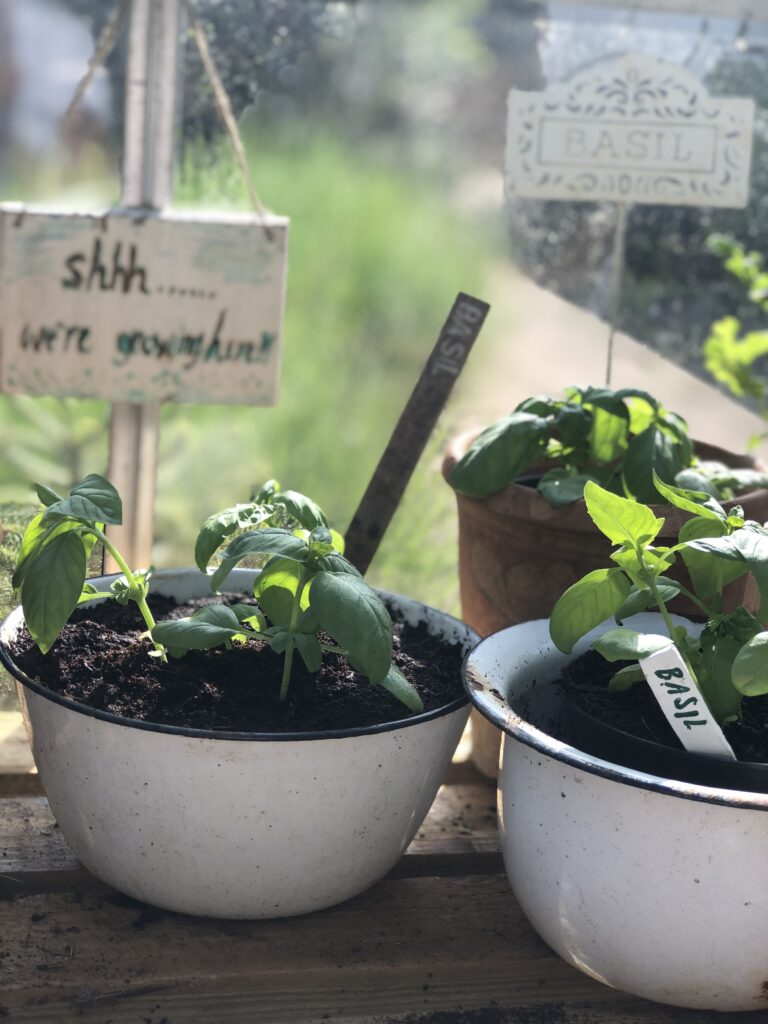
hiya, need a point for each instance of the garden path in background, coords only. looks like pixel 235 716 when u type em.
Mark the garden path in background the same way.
pixel 534 341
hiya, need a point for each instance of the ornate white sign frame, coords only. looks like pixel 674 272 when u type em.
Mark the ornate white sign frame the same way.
pixel 630 129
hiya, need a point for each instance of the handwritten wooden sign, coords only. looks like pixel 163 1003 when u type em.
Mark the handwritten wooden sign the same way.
pixel 630 129
pixel 180 307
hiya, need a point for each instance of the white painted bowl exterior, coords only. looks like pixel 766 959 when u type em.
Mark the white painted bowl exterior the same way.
pixel 649 885
pixel 239 828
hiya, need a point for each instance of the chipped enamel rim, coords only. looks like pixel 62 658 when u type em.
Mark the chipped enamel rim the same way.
pixel 535 645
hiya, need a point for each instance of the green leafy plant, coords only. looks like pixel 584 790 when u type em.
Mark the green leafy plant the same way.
pixel 732 355
pixel 618 439
pixel 729 658
pixel 305 587
pixel 53 557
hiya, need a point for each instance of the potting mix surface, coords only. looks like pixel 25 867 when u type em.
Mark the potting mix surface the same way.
pixel 102 660
pixel 635 710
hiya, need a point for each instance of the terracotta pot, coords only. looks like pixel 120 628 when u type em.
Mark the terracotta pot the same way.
pixel 517 555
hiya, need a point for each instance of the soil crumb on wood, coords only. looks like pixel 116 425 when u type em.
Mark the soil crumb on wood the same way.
pixel 101 659
pixel 546 1013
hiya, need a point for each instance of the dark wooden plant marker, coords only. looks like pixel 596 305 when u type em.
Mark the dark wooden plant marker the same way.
pixel 412 431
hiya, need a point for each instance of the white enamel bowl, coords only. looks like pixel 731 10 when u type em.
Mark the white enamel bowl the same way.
pixel 237 825
pixel 649 885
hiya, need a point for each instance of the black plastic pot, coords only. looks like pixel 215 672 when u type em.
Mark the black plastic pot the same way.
pixel 595 737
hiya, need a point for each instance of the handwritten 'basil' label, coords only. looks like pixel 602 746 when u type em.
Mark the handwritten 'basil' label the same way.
pixel 683 705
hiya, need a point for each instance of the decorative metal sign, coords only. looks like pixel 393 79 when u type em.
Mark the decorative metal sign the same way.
pixel 174 307
pixel 630 129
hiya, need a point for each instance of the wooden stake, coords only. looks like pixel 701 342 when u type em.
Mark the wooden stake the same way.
pixel 617 277
pixel 150 113
pixel 412 431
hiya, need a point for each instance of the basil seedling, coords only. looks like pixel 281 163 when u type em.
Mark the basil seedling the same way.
pixel 617 439
pixel 729 659
pixel 305 586
pixel 52 561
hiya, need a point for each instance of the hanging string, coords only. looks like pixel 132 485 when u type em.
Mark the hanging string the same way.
pixel 224 108
pixel 104 46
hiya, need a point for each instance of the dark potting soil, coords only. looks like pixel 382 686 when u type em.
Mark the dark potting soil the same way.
pixel 635 710
pixel 101 660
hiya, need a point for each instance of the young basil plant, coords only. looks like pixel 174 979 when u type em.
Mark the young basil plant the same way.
pixel 728 659
pixel 305 586
pixel 617 439
pixel 52 560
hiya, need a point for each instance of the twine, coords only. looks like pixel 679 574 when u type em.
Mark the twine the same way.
pixel 224 108
pixel 104 46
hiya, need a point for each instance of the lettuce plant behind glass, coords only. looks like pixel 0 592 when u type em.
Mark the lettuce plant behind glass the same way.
pixel 53 558
pixel 305 586
pixel 729 659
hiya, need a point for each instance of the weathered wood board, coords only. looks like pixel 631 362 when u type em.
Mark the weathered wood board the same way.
pixel 441 940
pixel 182 307
pixel 630 129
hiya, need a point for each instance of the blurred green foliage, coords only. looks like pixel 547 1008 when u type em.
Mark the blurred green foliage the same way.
pixel 736 357
pixel 375 260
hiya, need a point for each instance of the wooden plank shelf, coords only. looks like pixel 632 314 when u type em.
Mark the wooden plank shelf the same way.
pixel 441 940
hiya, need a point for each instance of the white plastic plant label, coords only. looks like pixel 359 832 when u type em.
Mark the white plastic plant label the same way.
pixel 683 705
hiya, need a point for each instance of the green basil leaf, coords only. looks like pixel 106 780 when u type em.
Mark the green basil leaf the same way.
pixel 266 492
pixel 619 518
pixel 640 599
pixel 694 480
pixel 47 495
pixel 281 641
pixel 699 503
pixel 38 533
pixel 625 678
pixel 301 508
pixel 709 574
pixel 651 451
pixel 573 424
pixel 52 584
pixel 276 587
pixel 622 644
pixel 221 525
pixel 90 593
pixel 749 672
pixel 93 500
pixel 610 430
pixel 208 627
pixel 250 615
pixel 270 541
pixel 562 486
pixel 500 454
pixel 590 601
pixel 320 541
pixel 539 405
pixel 354 615
pixel 396 683
pixel 310 651
pixel 752 542
pixel 337 563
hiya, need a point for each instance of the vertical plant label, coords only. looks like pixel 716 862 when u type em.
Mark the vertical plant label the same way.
pixel 181 307
pixel 683 705
pixel 630 129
